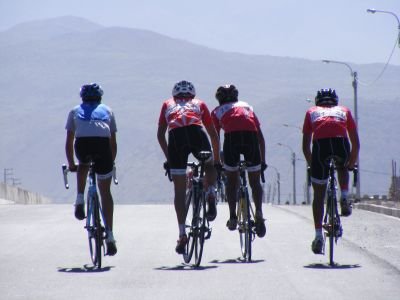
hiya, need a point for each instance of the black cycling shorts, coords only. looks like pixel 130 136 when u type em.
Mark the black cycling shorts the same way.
pixel 98 150
pixel 322 149
pixel 242 142
pixel 181 142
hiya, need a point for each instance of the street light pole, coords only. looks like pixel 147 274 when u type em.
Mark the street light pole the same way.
pixel 278 181
pixel 294 170
pixel 373 10
pixel 355 90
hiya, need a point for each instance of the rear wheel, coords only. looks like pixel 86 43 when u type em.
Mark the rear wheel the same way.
pixel 95 231
pixel 190 213
pixel 200 229
pixel 331 208
pixel 244 226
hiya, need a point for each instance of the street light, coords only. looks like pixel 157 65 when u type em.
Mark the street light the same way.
pixel 294 170
pixel 278 181
pixel 373 10
pixel 355 86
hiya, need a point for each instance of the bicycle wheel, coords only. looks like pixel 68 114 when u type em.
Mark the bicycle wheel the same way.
pixel 331 218
pixel 245 225
pixel 95 232
pixel 190 214
pixel 200 229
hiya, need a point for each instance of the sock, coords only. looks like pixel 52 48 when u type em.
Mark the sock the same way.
pixel 344 194
pixel 318 233
pixel 79 199
pixel 182 229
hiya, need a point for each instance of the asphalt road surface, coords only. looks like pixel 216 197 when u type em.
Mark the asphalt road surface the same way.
pixel 44 255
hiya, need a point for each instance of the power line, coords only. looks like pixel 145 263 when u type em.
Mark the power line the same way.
pixel 384 67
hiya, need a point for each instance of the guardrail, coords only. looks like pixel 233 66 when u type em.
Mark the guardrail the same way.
pixel 21 196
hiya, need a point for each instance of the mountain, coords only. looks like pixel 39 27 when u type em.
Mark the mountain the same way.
pixel 45 62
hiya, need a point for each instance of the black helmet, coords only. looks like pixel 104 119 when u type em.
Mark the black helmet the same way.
pixel 227 93
pixel 326 97
pixel 91 92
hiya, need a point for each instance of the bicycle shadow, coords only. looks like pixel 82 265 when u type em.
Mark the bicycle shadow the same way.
pixel 84 269
pixel 185 267
pixel 238 260
pixel 336 266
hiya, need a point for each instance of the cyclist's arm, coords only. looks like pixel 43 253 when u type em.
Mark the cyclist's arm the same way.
pixel 214 141
pixel 355 147
pixel 113 142
pixel 69 149
pixel 261 142
pixel 306 147
pixel 162 129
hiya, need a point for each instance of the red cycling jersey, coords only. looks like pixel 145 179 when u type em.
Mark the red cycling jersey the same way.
pixel 328 122
pixel 177 113
pixel 235 116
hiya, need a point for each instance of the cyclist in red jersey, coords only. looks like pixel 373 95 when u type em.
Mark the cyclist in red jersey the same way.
pixel 329 127
pixel 184 117
pixel 242 135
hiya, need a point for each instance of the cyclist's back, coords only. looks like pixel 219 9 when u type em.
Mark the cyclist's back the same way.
pixel 91 132
pixel 242 135
pixel 329 128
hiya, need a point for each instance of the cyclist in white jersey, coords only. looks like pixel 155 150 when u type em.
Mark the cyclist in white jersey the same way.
pixel 91 131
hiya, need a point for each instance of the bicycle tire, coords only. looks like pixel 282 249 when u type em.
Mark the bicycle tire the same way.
pixel 200 229
pixel 244 225
pixel 331 207
pixel 95 234
pixel 190 213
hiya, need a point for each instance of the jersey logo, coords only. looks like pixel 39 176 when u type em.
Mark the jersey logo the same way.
pixel 334 112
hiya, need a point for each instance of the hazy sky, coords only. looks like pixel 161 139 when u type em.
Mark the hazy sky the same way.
pixel 314 29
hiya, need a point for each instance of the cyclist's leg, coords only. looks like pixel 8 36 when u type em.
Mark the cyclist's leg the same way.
pixel 319 176
pixel 178 152
pixel 342 150
pixel 231 161
pixel 256 189
pixel 82 152
pixel 232 186
pixel 107 201
pixel 104 167
pixel 199 142
pixel 179 198
pixel 251 152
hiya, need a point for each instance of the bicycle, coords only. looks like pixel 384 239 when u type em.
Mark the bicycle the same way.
pixel 95 221
pixel 195 204
pixel 245 214
pixel 331 223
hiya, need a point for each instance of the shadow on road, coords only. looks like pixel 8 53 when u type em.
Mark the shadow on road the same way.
pixel 328 266
pixel 185 267
pixel 238 260
pixel 84 269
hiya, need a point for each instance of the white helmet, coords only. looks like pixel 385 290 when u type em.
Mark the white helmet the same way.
pixel 184 88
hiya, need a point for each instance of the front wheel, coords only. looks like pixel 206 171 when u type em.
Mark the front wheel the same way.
pixel 95 230
pixel 200 229
pixel 245 226
pixel 190 214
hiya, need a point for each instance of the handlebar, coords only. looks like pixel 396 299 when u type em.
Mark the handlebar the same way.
pixel 66 170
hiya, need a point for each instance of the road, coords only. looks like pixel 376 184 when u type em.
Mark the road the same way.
pixel 44 255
